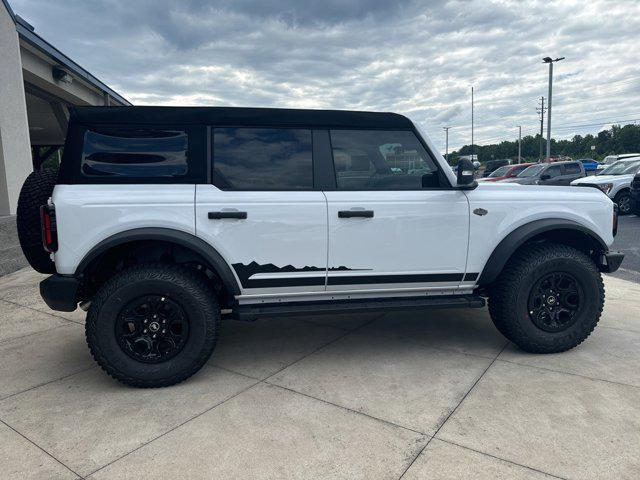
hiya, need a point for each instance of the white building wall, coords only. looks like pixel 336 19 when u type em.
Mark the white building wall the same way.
pixel 15 147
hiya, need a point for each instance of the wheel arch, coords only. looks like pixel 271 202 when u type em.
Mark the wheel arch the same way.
pixel 558 230
pixel 623 190
pixel 185 241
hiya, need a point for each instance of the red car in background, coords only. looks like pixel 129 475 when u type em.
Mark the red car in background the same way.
pixel 506 171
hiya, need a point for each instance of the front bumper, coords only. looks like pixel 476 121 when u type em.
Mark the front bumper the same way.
pixel 609 262
pixel 635 201
pixel 60 292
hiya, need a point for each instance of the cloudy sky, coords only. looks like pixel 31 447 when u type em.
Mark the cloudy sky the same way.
pixel 419 58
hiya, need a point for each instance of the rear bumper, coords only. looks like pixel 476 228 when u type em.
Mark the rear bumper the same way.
pixel 60 292
pixel 610 261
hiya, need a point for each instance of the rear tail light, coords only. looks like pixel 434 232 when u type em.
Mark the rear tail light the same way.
pixel 48 225
pixel 615 219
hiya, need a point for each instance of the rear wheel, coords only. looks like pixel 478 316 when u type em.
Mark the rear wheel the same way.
pixel 36 190
pixel 623 200
pixel 153 325
pixel 548 299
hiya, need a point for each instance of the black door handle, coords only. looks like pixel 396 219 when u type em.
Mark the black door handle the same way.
pixel 219 215
pixel 355 213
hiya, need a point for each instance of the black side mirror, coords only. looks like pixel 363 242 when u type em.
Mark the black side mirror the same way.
pixel 545 176
pixel 466 178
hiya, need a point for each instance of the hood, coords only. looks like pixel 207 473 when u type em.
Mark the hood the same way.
pixel 600 179
pixel 521 180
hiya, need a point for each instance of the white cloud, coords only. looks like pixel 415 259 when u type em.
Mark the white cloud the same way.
pixel 417 58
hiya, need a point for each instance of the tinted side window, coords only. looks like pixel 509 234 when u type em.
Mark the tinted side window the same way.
pixel 381 160
pixel 553 171
pixel 262 159
pixel 572 169
pixel 134 153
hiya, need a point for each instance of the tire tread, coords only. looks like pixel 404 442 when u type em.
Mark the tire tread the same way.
pixel 502 297
pixel 176 274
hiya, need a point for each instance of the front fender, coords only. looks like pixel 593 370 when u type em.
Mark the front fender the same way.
pixel 512 242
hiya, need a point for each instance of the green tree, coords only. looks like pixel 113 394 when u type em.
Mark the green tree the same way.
pixel 617 139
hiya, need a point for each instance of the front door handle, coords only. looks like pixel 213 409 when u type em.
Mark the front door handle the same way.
pixel 355 213
pixel 227 214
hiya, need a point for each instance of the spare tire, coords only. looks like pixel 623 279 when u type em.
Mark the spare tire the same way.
pixel 36 190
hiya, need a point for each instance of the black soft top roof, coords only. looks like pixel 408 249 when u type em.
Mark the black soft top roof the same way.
pixel 235 116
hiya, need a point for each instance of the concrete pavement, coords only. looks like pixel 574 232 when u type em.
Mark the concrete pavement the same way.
pixel 432 395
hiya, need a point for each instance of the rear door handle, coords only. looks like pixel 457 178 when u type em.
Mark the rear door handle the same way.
pixel 232 214
pixel 355 213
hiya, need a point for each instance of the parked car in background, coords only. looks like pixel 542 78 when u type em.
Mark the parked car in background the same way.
pixel 615 181
pixel 611 159
pixel 506 171
pixel 557 173
pixel 590 165
pixel 634 193
pixel 558 158
pixel 492 165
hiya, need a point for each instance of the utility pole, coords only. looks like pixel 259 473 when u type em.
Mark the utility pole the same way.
pixel 550 62
pixel 473 148
pixel 541 112
pixel 519 143
pixel 446 143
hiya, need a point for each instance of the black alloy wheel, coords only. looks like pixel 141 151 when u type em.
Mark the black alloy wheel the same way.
pixel 554 302
pixel 152 328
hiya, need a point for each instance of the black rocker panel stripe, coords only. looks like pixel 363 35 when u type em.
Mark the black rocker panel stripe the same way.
pixel 417 278
pixel 244 273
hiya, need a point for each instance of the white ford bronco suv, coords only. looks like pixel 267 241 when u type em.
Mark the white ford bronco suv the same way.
pixel 162 221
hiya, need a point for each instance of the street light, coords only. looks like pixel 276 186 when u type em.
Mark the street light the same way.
pixel 446 148
pixel 550 61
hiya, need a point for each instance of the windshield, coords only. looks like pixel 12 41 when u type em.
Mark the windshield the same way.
pixel 621 168
pixel 531 171
pixel 500 172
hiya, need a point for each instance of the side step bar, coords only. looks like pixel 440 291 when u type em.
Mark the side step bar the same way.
pixel 255 311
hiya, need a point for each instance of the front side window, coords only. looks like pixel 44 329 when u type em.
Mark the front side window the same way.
pixel 134 153
pixel 381 160
pixel 262 159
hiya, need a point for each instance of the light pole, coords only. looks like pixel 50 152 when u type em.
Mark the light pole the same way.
pixel 519 144
pixel 550 61
pixel 446 143
pixel 473 150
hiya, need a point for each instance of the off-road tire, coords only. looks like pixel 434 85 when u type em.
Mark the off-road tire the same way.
pixel 36 190
pixel 508 297
pixel 623 200
pixel 183 285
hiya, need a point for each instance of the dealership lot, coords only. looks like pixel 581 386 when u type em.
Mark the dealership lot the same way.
pixel 628 242
pixel 423 394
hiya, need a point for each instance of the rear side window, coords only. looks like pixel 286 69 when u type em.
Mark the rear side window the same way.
pixel 381 160
pixel 262 159
pixel 572 168
pixel 135 153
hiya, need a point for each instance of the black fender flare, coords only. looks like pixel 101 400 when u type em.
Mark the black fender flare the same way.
pixel 524 233
pixel 178 237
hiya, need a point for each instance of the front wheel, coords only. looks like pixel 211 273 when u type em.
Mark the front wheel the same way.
pixel 623 200
pixel 548 299
pixel 153 325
